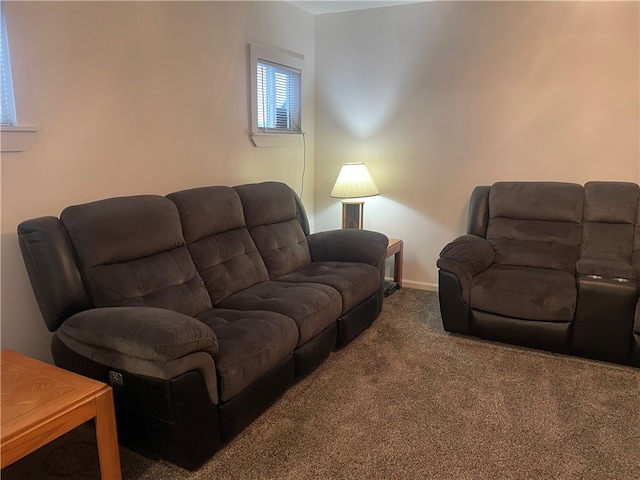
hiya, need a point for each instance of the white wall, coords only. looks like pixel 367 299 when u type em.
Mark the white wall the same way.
pixel 439 97
pixel 131 98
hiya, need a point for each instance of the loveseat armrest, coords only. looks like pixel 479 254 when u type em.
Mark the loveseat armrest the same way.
pixel 460 261
pixel 350 245
pixel 470 254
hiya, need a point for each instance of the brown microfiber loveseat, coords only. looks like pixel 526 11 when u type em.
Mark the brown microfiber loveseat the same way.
pixel 549 265
pixel 199 308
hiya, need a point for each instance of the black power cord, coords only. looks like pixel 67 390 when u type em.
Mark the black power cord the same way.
pixel 304 156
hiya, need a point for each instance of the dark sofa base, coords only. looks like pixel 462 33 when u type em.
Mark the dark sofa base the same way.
pixel 551 336
pixel 175 419
pixel 634 359
pixel 245 407
pixel 309 356
pixel 353 323
pixel 600 299
pixel 455 312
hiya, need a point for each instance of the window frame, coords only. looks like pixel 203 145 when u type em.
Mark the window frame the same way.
pixel 289 61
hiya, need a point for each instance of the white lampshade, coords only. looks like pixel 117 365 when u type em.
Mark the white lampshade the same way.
pixel 354 181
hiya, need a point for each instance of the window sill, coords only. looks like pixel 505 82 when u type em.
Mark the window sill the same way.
pixel 275 139
pixel 17 139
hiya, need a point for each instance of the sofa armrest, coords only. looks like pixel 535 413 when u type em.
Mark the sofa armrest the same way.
pixel 350 245
pixel 147 341
pixel 470 253
pixel 465 257
pixel 50 261
pixel 144 333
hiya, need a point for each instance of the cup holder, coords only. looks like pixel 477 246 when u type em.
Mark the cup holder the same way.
pixel 612 279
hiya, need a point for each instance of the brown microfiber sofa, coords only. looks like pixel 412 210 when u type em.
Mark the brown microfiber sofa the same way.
pixel 199 308
pixel 548 265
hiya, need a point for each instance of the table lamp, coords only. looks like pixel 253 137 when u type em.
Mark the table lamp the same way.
pixel 354 181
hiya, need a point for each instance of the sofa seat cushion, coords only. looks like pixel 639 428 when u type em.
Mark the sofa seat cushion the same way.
pixel 312 306
pixel 355 281
pixel 525 292
pixel 250 344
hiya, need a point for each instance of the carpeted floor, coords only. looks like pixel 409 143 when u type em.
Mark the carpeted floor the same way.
pixel 406 400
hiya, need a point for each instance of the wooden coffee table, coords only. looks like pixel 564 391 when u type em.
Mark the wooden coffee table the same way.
pixel 41 402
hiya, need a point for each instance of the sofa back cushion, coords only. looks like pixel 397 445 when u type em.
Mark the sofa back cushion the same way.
pixel 273 220
pixel 536 224
pixel 219 243
pixel 610 213
pixel 132 253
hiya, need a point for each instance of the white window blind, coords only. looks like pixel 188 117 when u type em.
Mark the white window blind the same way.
pixel 7 103
pixel 278 97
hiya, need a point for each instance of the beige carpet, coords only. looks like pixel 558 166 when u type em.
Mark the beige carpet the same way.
pixel 406 400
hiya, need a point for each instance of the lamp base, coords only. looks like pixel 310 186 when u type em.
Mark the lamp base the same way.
pixel 352 214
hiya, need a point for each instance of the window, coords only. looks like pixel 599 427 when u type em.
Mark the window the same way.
pixel 13 138
pixel 278 98
pixel 276 85
pixel 7 103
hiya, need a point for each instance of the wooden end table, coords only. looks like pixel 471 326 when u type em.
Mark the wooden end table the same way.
pixel 395 248
pixel 41 402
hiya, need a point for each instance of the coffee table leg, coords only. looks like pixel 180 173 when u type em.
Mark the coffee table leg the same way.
pixel 107 437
